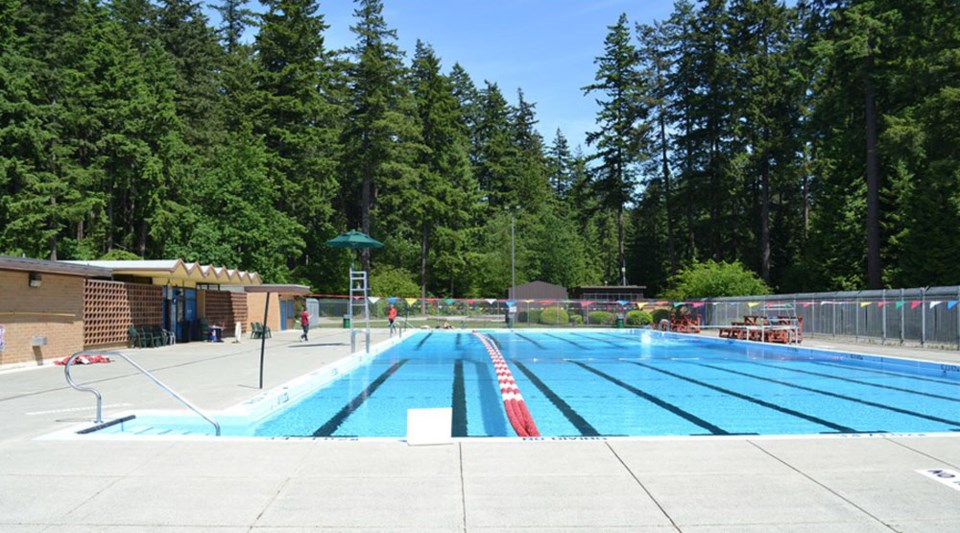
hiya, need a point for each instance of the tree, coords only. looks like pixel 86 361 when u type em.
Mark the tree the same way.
pixel 376 122
pixel 299 121
pixel 621 140
pixel 712 279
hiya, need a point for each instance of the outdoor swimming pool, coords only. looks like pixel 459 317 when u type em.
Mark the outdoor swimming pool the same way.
pixel 614 383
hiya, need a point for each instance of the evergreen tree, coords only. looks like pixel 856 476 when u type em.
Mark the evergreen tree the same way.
pixel 377 126
pixel 298 121
pixel 621 140
pixel 235 18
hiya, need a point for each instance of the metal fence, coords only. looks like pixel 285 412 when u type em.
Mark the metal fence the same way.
pixel 929 316
pixel 487 313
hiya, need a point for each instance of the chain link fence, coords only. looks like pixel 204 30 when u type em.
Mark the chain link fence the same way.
pixel 926 316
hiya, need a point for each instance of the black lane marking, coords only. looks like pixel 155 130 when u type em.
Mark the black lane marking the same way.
pixel 751 399
pixel 459 401
pixel 457 342
pixel 835 395
pixel 423 340
pixel 495 343
pixel 858 382
pixel 564 339
pixel 578 421
pixel 528 339
pixel 615 345
pixel 887 372
pixel 657 401
pixel 331 426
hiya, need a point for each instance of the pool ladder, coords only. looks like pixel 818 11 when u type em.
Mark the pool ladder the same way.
pixel 144 371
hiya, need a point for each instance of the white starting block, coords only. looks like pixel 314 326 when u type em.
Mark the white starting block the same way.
pixel 429 426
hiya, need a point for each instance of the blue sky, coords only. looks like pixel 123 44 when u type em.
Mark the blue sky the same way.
pixel 545 47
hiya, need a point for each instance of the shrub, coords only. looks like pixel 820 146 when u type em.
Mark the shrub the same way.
pixel 660 314
pixel 639 318
pixel 554 315
pixel 576 320
pixel 392 281
pixel 711 279
pixel 530 316
pixel 600 317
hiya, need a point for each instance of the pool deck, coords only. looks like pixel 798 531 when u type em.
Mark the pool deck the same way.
pixel 697 484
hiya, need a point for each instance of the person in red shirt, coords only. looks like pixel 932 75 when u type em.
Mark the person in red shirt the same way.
pixel 391 317
pixel 305 324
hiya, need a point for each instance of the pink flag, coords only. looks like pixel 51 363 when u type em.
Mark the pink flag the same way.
pixel 914 304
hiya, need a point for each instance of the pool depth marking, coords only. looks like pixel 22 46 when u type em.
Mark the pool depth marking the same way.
pixel 570 413
pixel 858 382
pixel 751 399
pixel 459 403
pixel 690 417
pixel 840 396
pixel 331 426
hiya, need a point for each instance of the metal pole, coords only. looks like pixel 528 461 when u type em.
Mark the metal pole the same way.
pixel 513 260
pixel 883 316
pixel 923 317
pixel 901 316
pixel 263 336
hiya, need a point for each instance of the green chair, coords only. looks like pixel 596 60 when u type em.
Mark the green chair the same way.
pixel 133 337
pixel 148 339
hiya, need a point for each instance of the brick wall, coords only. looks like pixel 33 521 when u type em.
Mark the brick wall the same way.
pixel 255 304
pixel 226 308
pixel 110 307
pixel 53 310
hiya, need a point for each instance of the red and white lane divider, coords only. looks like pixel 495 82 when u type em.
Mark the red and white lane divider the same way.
pixel 513 403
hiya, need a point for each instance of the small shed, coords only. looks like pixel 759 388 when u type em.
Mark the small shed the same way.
pixel 538 290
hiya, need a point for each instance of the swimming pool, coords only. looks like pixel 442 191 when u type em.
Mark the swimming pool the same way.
pixel 602 383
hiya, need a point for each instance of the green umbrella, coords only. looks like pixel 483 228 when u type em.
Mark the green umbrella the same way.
pixel 355 240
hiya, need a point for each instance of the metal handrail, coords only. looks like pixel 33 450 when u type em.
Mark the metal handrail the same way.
pixel 144 371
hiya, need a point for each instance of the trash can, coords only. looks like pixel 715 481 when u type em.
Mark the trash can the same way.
pixel 619 321
pixel 346 321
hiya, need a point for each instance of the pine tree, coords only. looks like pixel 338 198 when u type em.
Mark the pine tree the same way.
pixel 621 140
pixel 376 122
pixel 235 19
pixel 298 120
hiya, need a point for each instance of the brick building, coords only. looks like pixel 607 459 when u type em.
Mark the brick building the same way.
pixel 41 308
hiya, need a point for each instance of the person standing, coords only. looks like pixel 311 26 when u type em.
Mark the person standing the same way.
pixel 305 324
pixel 391 317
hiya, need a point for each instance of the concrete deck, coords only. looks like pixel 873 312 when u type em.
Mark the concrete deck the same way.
pixel 838 483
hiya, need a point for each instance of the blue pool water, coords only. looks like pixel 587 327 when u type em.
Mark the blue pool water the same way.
pixel 633 383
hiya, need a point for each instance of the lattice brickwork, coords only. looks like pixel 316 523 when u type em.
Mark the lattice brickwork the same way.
pixel 110 307
pixel 238 302
pixel 226 308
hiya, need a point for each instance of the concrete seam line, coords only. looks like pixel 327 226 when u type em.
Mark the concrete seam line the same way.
pixel 642 486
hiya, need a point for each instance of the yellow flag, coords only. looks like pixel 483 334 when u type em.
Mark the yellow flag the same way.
pixel 411 301
pixel 864 304
pixel 753 304
pixel 640 305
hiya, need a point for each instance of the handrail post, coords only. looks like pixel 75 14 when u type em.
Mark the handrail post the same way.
pixel 145 372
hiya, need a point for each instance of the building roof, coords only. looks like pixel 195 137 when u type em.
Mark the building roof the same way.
pixel 44 266
pixel 279 288
pixel 178 270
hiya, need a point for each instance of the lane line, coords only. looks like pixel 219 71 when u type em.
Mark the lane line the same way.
pixel 751 399
pixel 615 345
pixel 528 339
pixel 333 424
pixel 423 340
pixel 570 413
pixel 858 382
pixel 690 417
pixel 840 396
pixel 887 372
pixel 564 339
pixel 459 425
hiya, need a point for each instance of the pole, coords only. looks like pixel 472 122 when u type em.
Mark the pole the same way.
pixel 513 260
pixel 263 336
